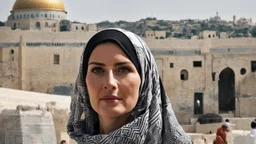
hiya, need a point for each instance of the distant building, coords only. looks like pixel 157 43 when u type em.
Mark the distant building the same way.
pixel 207 35
pixel 43 15
pixel 155 34
pixel 216 18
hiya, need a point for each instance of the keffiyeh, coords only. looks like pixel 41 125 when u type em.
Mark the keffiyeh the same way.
pixel 152 119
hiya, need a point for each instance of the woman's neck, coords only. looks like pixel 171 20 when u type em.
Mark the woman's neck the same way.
pixel 108 125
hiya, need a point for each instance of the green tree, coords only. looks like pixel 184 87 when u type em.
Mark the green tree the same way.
pixel 253 32
pixel 194 32
pixel 1 23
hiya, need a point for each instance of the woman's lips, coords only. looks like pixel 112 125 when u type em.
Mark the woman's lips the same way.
pixel 109 98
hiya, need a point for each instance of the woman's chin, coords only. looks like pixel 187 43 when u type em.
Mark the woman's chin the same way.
pixel 112 112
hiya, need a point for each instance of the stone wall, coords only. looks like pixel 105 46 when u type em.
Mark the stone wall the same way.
pixel 29 117
pixel 175 59
pixel 29 127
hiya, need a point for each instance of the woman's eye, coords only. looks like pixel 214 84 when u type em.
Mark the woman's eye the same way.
pixel 124 69
pixel 97 70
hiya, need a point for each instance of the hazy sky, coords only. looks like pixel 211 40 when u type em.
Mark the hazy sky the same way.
pixel 133 10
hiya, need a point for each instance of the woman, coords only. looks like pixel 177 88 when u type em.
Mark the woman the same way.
pixel 120 94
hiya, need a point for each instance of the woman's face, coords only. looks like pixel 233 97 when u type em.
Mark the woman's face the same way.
pixel 112 81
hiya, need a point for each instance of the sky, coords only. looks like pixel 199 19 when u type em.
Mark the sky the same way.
pixel 133 10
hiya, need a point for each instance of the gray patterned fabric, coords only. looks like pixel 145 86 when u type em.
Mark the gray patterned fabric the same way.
pixel 152 120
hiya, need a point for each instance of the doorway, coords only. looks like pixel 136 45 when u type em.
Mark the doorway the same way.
pixel 226 90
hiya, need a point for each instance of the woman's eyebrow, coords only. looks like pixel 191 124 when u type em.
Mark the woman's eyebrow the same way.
pixel 122 63
pixel 96 63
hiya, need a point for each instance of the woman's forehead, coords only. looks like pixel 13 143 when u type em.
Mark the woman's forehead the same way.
pixel 108 51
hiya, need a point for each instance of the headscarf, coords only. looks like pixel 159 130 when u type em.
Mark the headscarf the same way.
pixel 152 119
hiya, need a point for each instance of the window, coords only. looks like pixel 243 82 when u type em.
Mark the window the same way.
pixel 243 71
pixel 45 15
pixel 12 55
pixel 213 76
pixel 198 103
pixel 38 25
pixel 12 52
pixel 76 27
pixel 253 66
pixel 82 27
pixel 46 24
pixel 56 59
pixel 14 26
pixel 171 65
pixel 184 75
pixel 197 63
pixel 209 36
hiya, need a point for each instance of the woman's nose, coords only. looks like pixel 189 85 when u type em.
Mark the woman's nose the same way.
pixel 110 82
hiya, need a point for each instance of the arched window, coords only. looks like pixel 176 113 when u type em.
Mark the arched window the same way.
pixel 45 15
pixel 14 26
pixel 184 75
pixel 12 52
pixel 11 55
pixel 38 25
pixel 82 28
pixel 209 36
pixel 76 27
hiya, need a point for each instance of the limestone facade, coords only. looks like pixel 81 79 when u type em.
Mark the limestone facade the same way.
pixel 155 34
pixel 195 73
pixel 30 117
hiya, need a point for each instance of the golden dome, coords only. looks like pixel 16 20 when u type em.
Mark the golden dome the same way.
pixel 56 5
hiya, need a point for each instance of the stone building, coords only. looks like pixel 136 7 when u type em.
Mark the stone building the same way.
pixel 155 34
pixel 43 15
pixel 206 75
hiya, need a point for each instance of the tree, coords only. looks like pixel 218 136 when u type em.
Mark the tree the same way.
pixel 253 32
pixel 1 23
pixel 194 32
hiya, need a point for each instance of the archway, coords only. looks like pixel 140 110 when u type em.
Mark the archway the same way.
pixel 226 90
pixel 38 25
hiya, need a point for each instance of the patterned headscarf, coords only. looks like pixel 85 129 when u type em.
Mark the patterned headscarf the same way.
pixel 152 119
